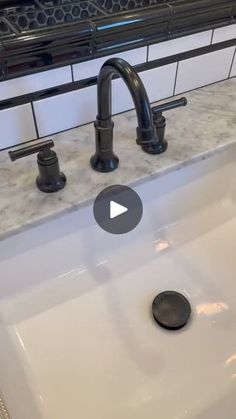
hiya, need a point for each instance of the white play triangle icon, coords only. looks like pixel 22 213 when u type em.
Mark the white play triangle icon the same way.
pixel 116 209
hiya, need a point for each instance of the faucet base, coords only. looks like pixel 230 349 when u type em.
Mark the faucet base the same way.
pixel 155 148
pixel 104 165
pixel 104 160
pixel 51 185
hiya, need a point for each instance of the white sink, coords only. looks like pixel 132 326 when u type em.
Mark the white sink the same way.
pixel 77 338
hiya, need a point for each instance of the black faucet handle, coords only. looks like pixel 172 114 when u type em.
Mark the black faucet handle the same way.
pixel 32 149
pixel 169 105
pixel 50 179
pixel 159 120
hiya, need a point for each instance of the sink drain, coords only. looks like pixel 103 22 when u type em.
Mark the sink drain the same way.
pixel 171 310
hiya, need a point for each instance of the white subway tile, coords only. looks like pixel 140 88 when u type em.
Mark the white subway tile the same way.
pixel 233 71
pixel 224 34
pixel 159 82
pixel 65 111
pixel 91 68
pixel 17 126
pixel 204 69
pixel 121 97
pixel 76 108
pixel 34 82
pixel 176 46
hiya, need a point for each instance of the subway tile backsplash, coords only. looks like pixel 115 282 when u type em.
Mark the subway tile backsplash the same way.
pixel 159 82
pixel 91 68
pixel 121 98
pixel 17 125
pixel 67 110
pixel 176 46
pixel 38 81
pixel 79 107
pixel 204 69
pixel 224 34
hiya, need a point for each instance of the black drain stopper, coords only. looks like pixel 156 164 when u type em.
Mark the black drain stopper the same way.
pixel 171 310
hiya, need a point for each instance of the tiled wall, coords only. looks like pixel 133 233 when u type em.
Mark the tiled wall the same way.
pixel 50 115
pixel 204 69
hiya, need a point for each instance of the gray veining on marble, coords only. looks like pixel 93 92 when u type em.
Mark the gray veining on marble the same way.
pixel 206 125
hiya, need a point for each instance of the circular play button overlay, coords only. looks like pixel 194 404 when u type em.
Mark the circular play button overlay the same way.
pixel 118 209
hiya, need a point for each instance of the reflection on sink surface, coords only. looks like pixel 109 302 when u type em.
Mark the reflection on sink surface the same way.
pixel 77 335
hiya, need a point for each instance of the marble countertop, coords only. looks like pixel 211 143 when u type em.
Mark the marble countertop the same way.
pixel 207 125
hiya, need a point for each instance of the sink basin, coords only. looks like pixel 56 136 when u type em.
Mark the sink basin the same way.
pixel 76 329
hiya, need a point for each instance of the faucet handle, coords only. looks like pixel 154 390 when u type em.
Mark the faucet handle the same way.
pixel 28 150
pixel 159 120
pixel 169 105
pixel 50 179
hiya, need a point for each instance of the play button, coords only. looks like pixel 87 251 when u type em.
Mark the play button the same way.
pixel 118 209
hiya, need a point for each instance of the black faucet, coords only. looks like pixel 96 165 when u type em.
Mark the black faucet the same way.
pixel 49 179
pixel 104 159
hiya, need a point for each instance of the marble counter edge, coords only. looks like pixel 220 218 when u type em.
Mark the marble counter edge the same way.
pixel 71 207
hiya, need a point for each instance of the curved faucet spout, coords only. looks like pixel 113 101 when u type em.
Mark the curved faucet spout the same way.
pixel 104 159
pixel 134 84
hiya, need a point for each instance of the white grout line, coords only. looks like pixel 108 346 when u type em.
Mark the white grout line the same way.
pixel 212 35
pixel 176 75
pixel 72 73
pixel 231 67
pixel 147 56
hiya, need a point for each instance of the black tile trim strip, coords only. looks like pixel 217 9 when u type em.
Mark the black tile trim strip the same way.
pixel 69 87
pixel 28 51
